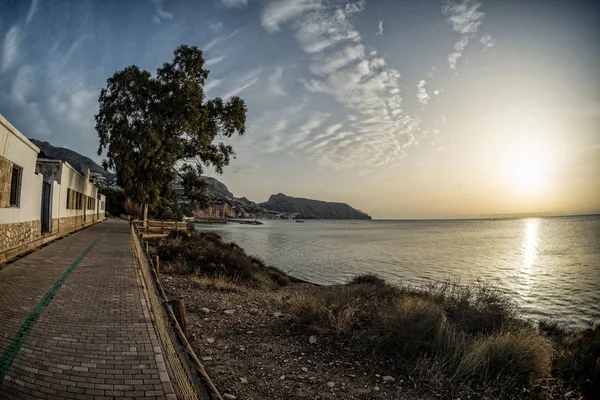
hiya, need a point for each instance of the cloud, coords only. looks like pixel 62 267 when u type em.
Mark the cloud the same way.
pixel 487 41
pixel 10 48
pixel 280 11
pixel 214 60
pixel 379 29
pixel 160 13
pixel 219 39
pixel 379 129
pixel 212 83
pixel 422 94
pixel 234 3
pixel 275 87
pixel 246 81
pixel 465 17
pixel 216 26
pixel 32 10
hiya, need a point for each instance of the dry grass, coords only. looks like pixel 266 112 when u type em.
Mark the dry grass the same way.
pixel 220 283
pixel 469 335
pixel 206 254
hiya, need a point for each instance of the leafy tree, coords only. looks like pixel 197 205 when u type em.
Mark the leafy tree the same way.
pixel 155 129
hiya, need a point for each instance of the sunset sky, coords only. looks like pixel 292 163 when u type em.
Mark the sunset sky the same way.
pixel 404 109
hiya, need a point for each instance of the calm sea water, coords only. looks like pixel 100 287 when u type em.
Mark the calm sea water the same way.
pixel 550 266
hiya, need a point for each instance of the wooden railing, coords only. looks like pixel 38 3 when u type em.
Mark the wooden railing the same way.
pixel 163 227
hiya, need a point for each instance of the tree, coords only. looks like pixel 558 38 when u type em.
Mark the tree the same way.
pixel 155 129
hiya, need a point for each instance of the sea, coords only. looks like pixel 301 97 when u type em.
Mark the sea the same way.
pixel 549 266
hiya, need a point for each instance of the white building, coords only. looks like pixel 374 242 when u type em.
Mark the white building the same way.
pixel 40 200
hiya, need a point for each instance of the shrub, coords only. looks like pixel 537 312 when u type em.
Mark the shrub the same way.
pixel 507 359
pixel 370 279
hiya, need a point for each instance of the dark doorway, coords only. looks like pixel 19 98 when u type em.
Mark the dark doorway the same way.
pixel 46 207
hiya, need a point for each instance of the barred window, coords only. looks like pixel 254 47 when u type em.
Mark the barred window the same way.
pixel 15 186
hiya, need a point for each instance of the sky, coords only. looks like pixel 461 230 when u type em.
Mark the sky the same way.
pixel 403 109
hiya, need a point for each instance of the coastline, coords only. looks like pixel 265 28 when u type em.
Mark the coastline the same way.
pixel 238 321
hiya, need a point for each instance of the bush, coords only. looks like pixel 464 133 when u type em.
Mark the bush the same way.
pixel 507 359
pixel 205 253
pixel 370 279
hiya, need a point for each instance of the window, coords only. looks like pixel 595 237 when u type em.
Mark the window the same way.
pixel 15 186
pixel 91 203
pixel 69 201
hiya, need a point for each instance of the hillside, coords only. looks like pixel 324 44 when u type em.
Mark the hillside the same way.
pixel 308 208
pixel 77 161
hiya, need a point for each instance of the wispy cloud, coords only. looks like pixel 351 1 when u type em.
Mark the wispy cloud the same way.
pixel 281 11
pixel 379 29
pixel 246 81
pixel 216 26
pixel 220 39
pixel 234 3
pixel 465 17
pixel 487 41
pixel 212 83
pixel 10 48
pixel 214 60
pixel 422 94
pixel 379 128
pixel 32 10
pixel 160 13
pixel 275 86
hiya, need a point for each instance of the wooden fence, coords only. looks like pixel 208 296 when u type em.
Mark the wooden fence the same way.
pixel 163 227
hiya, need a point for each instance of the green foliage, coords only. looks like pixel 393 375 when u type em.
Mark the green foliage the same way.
pixel 152 125
pixel 115 200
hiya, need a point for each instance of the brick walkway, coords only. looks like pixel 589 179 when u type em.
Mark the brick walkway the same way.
pixel 94 338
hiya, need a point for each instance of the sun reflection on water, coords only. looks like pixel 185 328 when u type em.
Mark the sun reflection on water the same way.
pixel 529 248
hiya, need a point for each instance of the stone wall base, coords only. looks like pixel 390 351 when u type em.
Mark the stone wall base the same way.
pixel 18 238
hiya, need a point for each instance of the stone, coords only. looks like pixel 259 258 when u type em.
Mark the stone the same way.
pixel 277 314
pixel 207 358
pixel 304 369
pixel 205 310
pixel 312 339
pixel 331 384
pixel 229 396
pixel 228 312
pixel 210 340
pixel 243 380
pixel 388 379
pixel 376 388
pixel 312 379
pixel 282 377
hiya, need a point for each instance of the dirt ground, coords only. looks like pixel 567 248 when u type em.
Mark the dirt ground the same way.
pixel 245 341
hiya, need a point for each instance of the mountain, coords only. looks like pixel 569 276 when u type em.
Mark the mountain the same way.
pixel 98 174
pixel 307 208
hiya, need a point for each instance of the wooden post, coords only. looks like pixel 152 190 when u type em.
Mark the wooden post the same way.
pixel 146 246
pixel 157 265
pixel 179 310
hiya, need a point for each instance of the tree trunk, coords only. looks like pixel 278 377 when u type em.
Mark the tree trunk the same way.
pixel 145 214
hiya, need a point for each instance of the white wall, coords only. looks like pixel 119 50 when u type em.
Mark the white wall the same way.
pixel 16 148
pixel 72 179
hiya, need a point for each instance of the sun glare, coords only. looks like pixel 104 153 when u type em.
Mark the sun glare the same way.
pixel 528 172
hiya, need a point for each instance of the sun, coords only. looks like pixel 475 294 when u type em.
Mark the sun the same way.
pixel 528 171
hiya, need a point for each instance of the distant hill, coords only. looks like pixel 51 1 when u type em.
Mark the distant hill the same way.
pixel 97 174
pixel 307 208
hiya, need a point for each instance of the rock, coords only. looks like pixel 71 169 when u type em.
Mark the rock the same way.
pixel 229 396
pixel 304 369
pixel 277 314
pixel 210 340
pixel 331 384
pixel 207 358
pixel 388 379
pixel 228 312
pixel 376 388
pixel 312 339
pixel 254 311
pixel 205 310
pixel 243 380
pixel 568 394
pixel 282 377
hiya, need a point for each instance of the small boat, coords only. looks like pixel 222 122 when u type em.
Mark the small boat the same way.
pixel 299 220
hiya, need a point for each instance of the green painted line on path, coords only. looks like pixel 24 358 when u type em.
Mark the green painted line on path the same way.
pixel 16 343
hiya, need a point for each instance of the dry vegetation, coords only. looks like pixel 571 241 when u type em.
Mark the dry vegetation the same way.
pixel 470 337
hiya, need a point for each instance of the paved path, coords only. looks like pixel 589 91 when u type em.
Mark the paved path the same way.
pixel 74 322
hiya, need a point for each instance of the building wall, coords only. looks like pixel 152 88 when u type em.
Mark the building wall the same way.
pixel 20 227
pixel 16 149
